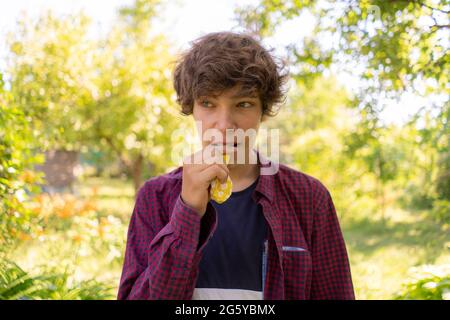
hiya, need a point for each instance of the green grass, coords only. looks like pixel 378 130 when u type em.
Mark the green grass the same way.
pixel 382 252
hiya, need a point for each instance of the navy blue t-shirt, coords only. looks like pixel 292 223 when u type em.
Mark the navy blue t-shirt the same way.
pixel 231 266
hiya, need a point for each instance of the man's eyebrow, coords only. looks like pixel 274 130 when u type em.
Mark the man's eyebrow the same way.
pixel 237 95
pixel 244 95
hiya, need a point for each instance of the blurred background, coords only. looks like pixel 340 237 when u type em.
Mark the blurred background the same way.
pixel 87 114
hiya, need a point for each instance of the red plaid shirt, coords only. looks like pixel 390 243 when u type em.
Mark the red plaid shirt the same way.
pixel 306 256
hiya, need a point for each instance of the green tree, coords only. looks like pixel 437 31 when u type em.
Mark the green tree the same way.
pixel 313 126
pixel 111 94
pixel 135 83
pixel 17 157
pixel 396 42
pixel 391 47
pixel 49 72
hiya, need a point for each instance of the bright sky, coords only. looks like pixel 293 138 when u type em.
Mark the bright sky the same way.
pixel 183 21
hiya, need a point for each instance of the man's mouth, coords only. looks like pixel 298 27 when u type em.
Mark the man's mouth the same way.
pixel 226 147
pixel 219 144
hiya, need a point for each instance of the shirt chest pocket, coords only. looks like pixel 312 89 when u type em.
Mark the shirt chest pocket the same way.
pixel 297 268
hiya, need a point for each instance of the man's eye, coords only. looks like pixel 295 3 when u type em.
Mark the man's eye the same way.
pixel 205 103
pixel 245 104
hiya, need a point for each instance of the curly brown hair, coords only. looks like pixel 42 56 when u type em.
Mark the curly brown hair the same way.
pixel 218 61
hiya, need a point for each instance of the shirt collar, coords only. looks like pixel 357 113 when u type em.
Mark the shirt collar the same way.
pixel 268 170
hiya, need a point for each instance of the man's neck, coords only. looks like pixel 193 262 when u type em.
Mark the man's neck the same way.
pixel 243 175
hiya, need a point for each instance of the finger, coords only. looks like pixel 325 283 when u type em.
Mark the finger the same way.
pixel 212 172
pixel 222 166
pixel 194 158
pixel 204 158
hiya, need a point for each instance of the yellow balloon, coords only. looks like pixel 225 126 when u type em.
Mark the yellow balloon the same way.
pixel 221 192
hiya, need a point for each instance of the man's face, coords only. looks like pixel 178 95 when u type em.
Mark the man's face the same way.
pixel 229 110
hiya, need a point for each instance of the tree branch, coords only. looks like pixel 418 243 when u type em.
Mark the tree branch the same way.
pixel 432 8
pixel 440 26
pixel 422 4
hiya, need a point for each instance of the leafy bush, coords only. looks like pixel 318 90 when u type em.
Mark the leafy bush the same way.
pixel 72 231
pixel 15 283
pixel 428 283
pixel 441 211
pixel 71 220
pixel 17 180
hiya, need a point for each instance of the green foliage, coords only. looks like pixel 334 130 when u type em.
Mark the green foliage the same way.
pixel 426 179
pixel 396 42
pixel 312 123
pixel 140 14
pixel 315 124
pixel 17 156
pixel 441 211
pixel 49 81
pixel 15 283
pixel 442 142
pixel 430 283
pixel 73 242
pixel 390 48
pixel 112 94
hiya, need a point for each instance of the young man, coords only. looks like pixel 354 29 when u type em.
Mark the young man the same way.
pixel 276 237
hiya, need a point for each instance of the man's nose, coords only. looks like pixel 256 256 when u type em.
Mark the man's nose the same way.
pixel 225 121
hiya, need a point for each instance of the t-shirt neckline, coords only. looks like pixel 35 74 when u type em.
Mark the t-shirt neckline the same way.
pixel 246 190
